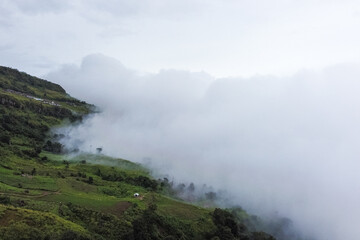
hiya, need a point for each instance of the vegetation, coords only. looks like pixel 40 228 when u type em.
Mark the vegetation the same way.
pixel 45 194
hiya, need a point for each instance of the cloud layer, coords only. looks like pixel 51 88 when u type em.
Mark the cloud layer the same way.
pixel 287 144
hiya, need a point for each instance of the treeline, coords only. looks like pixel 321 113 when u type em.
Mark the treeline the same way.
pixel 190 193
pixel 140 180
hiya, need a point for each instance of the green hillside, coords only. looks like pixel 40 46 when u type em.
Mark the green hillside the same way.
pixel 46 194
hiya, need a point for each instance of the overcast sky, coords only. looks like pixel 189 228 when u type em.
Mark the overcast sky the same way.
pixel 223 38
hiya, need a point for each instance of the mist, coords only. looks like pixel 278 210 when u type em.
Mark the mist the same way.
pixel 288 144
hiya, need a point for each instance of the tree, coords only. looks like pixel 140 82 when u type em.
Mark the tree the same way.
pixel 225 223
pixel 191 187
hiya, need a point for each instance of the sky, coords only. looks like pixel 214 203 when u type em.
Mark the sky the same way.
pixel 223 38
pixel 259 98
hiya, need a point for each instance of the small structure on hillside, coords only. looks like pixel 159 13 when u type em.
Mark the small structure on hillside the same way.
pixel 136 195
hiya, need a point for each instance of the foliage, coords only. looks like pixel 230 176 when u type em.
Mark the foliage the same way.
pixel 54 147
pixel 4 199
pixel 5 137
pixel 31 224
pixel 229 228
pixel 154 226
pixel 103 225
pixel 142 181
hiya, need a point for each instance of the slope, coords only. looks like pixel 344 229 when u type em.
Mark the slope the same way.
pixel 48 194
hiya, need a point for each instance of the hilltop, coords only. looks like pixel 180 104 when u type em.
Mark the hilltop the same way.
pixel 48 194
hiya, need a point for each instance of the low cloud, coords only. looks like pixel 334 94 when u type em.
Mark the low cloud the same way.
pixel 278 144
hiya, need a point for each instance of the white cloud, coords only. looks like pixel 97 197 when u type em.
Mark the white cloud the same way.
pixel 286 144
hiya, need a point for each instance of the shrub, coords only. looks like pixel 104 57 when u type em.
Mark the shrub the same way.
pixel 5 138
pixel 54 147
pixel 5 199
pixel 91 180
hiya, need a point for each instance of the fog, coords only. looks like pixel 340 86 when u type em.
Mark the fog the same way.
pixel 288 145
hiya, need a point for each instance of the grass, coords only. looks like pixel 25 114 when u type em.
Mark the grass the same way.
pixel 28 224
pixel 8 189
pixel 80 193
pixel 109 197
pixel 30 182
pixel 102 160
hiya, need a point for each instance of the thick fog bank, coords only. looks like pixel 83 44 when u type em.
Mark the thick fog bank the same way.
pixel 289 145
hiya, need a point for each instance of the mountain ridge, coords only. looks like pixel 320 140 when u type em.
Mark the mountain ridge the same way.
pixel 49 194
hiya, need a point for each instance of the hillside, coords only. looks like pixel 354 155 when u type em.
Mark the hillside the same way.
pixel 47 194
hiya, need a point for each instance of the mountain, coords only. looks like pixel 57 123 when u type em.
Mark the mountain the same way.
pixel 46 193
